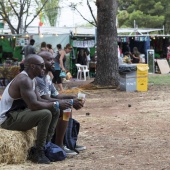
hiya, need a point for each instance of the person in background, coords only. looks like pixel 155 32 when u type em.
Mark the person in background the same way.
pixel 126 48
pixel 82 57
pixel 60 61
pixel 59 47
pixel 48 91
pixel 120 60
pixel 29 49
pixel 88 57
pixel 43 47
pixel 127 59
pixel 56 72
pixel 50 49
pixel 135 55
pixel 22 108
pixel 168 53
pixel 120 49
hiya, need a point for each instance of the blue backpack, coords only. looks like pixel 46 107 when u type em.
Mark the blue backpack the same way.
pixel 71 134
pixel 54 152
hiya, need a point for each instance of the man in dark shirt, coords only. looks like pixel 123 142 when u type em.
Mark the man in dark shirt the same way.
pixel 29 49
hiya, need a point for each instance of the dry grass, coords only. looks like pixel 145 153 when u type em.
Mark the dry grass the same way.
pixel 14 145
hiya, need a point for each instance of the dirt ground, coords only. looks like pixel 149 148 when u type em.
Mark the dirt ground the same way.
pixel 123 131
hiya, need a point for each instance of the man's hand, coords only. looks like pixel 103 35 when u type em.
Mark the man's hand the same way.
pixel 64 104
pixel 78 104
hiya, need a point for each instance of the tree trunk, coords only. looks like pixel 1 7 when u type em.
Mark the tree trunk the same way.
pixel 107 54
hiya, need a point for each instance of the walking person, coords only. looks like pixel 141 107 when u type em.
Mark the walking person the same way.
pixel 60 61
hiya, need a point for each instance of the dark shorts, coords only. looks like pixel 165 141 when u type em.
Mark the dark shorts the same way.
pixel 57 79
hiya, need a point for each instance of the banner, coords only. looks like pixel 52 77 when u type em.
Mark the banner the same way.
pixel 22 41
pixel 84 44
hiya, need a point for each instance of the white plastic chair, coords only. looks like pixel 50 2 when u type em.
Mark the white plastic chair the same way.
pixel 82 69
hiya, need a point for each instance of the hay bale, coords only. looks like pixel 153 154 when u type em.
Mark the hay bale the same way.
pixel 14 145
pixel 74 90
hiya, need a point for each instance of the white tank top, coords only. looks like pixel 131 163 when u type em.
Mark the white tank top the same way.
pixel 7 101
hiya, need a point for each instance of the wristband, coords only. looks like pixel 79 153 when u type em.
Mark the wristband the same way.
pixel 56 105
pixel 71 102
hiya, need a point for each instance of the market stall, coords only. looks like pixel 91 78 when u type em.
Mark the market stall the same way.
pixel 10 47
pixel 86 43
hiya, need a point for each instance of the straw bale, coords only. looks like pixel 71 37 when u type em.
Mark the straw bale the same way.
pixel 14 145
pixel 83 88
pixel 74 90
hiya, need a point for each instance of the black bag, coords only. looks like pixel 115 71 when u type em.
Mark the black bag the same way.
pixel 71 134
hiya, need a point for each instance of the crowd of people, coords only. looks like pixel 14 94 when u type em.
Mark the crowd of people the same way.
pixel 83 58
pixel 59 58
pixel 31 100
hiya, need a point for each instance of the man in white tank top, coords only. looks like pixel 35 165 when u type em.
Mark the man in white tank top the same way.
pixel 21 107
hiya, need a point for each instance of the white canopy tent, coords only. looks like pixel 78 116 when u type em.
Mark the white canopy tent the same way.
pixel 82 30
pixel 140 31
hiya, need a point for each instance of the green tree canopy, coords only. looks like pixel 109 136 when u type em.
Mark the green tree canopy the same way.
pixel 50 10
pixel 146 13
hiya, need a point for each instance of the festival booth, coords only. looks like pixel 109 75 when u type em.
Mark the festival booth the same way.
pixel 151 43
pixel 135 37
pixel 11 45
pixel 83 42
pixel 10 56
pixel 79 38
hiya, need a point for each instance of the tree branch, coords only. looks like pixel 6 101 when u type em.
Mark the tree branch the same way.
pixel 36 14
pixel 6 17
pixel 28 6
pixel 91 22
pixel 88 4
pixel 13 8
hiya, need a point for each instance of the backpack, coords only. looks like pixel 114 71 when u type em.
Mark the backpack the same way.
pixel 54 153
pixel 71 134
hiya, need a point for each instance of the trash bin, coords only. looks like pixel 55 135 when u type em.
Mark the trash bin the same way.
pixel 128 77
pixel 142 77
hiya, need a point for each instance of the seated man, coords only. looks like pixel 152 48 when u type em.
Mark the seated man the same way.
pixel 127 58
pixel 48 91
pixel 21 107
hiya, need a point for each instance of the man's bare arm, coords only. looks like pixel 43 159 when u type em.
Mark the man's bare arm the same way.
pixel 30 97
pixel 61 96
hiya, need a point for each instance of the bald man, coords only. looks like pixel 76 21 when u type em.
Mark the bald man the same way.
pixel 21 107
pixel 48 91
